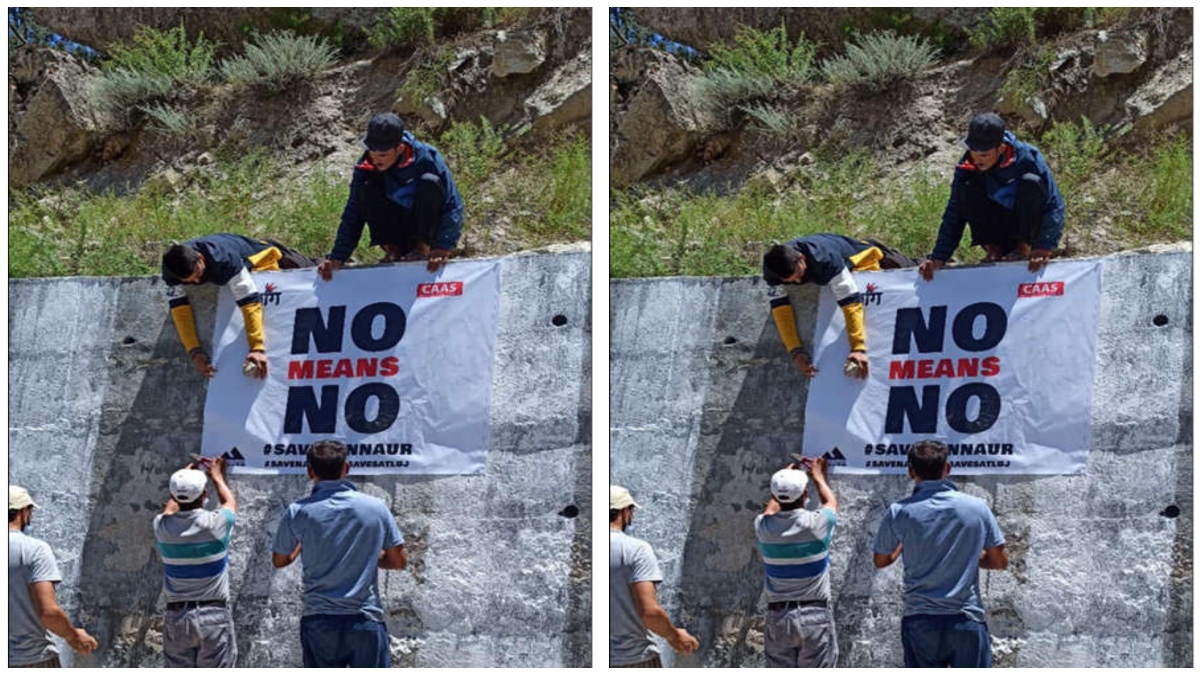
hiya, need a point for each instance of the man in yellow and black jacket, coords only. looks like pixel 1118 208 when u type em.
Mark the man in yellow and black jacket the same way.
pixel 826 260
pixel 225 260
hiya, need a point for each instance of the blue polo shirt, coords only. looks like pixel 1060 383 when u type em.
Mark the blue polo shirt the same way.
pixel 944 532
pixel 341 533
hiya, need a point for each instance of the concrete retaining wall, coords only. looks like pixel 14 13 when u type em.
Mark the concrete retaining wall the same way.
pixel 706 406
pixel 104 405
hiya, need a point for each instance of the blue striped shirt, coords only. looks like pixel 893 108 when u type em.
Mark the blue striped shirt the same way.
pixel 794 546
pixel 194 547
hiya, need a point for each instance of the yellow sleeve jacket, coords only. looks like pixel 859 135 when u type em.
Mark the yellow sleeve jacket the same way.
pixel 228 261
pixel 829 260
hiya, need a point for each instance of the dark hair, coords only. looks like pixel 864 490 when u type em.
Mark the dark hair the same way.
pixel 928 459
pixel 192 505
pixel 180 261
pixel 781 260
pixel 613 514
pixel 793 505
pixel 13 513
pixel 326 459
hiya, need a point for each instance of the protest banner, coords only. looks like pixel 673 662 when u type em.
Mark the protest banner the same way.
pixel 394 361
pixel 996 362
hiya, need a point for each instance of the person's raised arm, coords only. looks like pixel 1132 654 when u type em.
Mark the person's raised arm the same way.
pixel 216 473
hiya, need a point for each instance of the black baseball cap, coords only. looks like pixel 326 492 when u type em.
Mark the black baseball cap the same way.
pixel 985 132
pixel 384 132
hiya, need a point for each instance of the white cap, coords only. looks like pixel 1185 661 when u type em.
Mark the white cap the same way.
pixel 619 498
pixel 788 484
pixel 187 485
pixel 18 498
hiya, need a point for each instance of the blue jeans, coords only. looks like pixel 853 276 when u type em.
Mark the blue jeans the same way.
pixel 937 641
pixel 338 641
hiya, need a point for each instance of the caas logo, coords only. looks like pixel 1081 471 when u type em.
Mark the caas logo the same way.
pixel 270 296
pixel 439 289
pixel 1041 289
pixel 872 295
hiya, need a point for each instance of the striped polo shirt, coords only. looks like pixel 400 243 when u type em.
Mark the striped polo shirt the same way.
pixel 194 547
pixel 795 550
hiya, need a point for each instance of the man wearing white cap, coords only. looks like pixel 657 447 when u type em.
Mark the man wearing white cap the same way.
pixel 632 598
pixel 798 630
pixel 194 546
pixel 32 605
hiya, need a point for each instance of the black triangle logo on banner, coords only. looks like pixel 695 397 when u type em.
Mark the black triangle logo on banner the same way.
pixel 835 457
pixel 234 455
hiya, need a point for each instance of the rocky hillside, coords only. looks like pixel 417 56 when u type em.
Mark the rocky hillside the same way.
pixel 526 73
pixel 1127 76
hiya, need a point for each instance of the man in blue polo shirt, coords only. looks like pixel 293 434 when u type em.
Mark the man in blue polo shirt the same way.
pixel 345 537
pixel 945 537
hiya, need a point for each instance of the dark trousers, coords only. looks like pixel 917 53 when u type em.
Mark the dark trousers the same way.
pixel 936 641
pixel 400 230
pixel 337 641
pixel 655 662
pixel 290 258
pixel 999 228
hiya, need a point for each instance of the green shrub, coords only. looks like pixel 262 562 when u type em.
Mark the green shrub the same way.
pixel 473 152
pixel 168 119
pixel 402 27
pixel 721 90
pixel 566 202
pixel 756 66
pixel 771 120
pixel 155 66
pixel 1074 151
pixel 767 54
pixel 1029 78
pixel 1167 199
pixel 1005 27
pixel 425 79
pixel 880 60
pixel 168 54
pixel 279 59
pixel 120 90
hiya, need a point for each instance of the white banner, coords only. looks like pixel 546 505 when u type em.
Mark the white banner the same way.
pixel 394 361
pixel 996 362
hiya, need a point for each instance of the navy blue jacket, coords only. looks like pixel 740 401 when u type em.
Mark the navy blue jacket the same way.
pixel 1001 183
pixel 400 186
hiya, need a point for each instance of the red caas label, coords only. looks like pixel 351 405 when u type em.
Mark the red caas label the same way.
pixel 439 289
pixel 1041 289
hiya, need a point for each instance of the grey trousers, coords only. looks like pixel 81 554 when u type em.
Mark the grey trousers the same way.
pixel 199 637
pixel 801 637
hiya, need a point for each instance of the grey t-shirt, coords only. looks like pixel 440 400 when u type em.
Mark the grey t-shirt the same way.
pixel 29 561
pixel 630 560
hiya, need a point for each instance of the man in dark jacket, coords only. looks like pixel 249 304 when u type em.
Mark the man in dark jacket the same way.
pixel 403 192
pixel 224 259
pixel 1005 191
pixel 826 260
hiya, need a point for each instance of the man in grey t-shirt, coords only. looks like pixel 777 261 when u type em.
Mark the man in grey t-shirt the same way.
pixel 632 598
pixel 32 605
